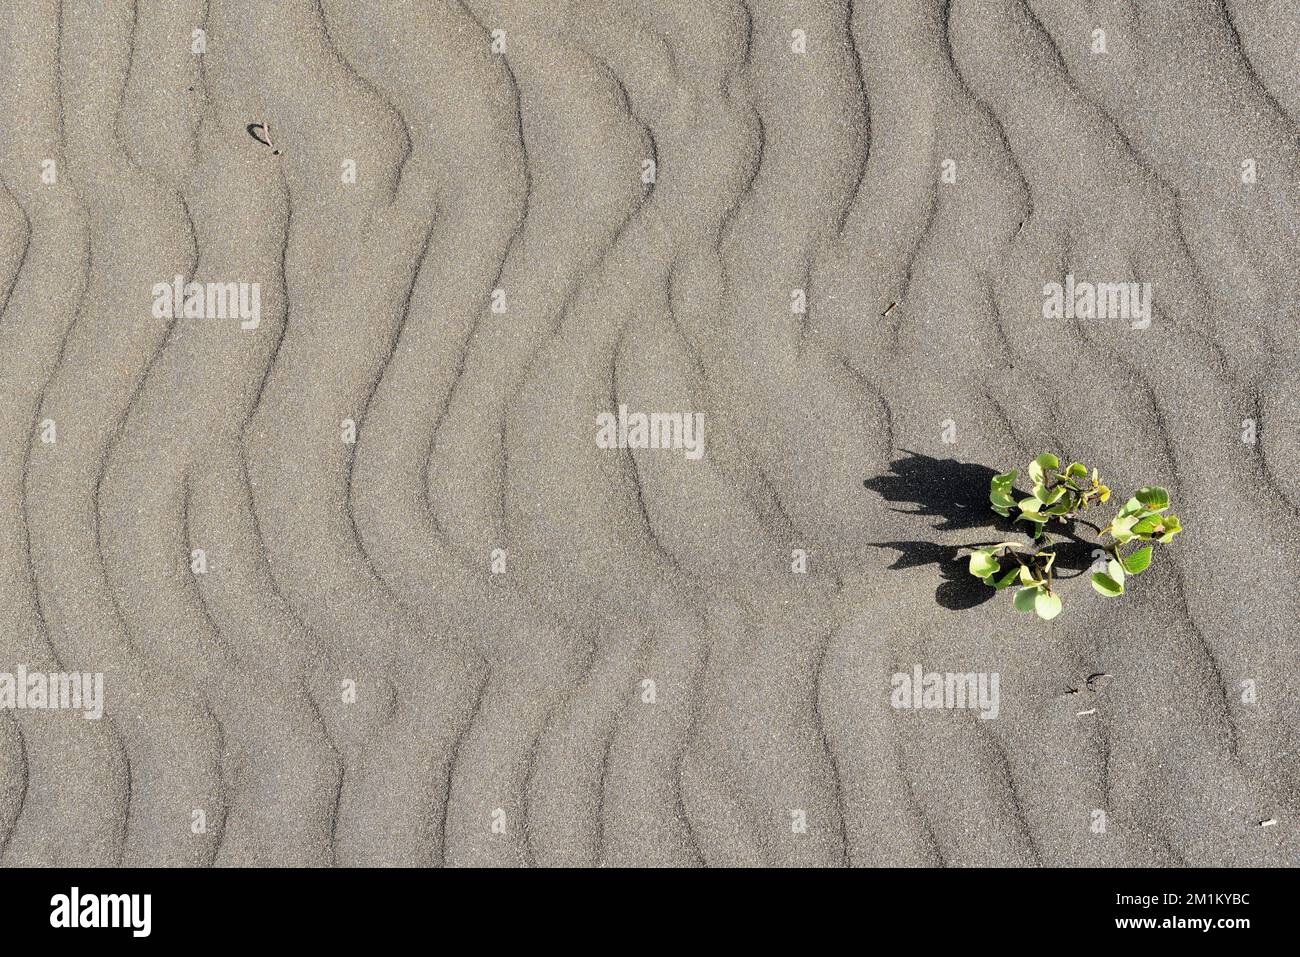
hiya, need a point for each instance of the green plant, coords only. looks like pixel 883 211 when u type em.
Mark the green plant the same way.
pixel 1061 495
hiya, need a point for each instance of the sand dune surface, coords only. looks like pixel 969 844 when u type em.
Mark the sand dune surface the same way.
pixel 537 432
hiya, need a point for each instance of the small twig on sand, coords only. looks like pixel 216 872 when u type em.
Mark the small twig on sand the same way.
pixel 265 137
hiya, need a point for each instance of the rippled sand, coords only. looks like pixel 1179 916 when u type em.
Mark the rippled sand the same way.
pixel 349 681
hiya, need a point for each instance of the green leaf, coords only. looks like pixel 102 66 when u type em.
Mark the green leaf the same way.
pixel 1006 579
pixel 1054 495
pixel 1047 461
pixel 1032 517
pixel 1154 497
pixel 1077 470
pixel 1172 528
pixel 983 564
pixel 1027 576
pixel 1147 526
pixel 1029 504
pixel 1123 524
pixel 1138 561
pixel 1047 606
pixel 1115 570
pixel 1131 507
pixel 1106 585
pixel 1006 479
pixel 1026 599
pixel 1002 510
pixel 1001 498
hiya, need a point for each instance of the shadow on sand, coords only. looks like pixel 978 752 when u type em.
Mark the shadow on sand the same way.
pixel 957 495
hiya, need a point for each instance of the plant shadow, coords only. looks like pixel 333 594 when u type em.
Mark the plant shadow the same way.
pixel 956 494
